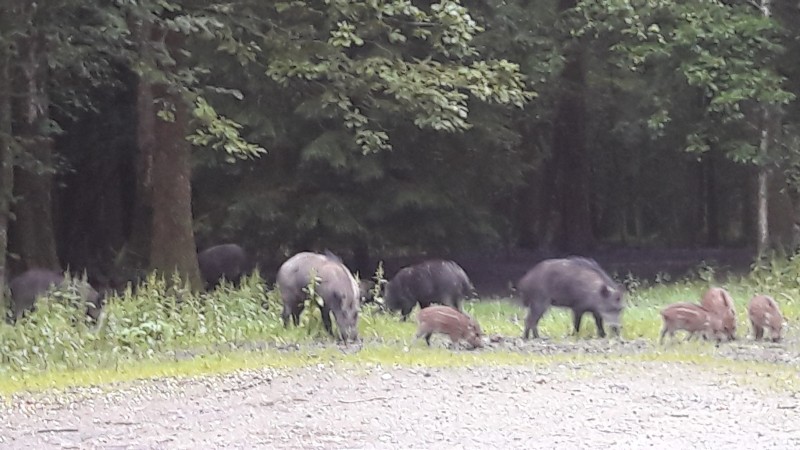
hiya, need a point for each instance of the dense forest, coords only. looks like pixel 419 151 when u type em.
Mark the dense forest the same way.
pixel 135 132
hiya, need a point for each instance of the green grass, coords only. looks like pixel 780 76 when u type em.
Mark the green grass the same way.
pixel 142 333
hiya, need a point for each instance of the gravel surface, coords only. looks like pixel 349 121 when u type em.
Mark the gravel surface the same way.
pixel 598 405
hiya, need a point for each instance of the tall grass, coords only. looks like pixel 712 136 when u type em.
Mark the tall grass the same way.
pixel 163 319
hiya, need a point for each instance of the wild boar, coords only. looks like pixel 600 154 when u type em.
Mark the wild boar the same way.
pixel 692 318
pixel 28 286
pixel 337 288
pixel 450 321
pixel 718 301
pixel 437 281
pixel 765 314
pixel 228 261
pixel 576 283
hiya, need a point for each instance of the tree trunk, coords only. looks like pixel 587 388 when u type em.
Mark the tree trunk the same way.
pixel 142 226
pixel 173 247
pixel 142 216
pixel 33 183
pixel 762 243
pixel 569 142
pixel 6 163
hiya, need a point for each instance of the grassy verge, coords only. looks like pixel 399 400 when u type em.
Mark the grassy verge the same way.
pixel 762 373
pixel 142 334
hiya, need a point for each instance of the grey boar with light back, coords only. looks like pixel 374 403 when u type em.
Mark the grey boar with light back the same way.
pixel 437 281
pixel 576 283
pixel 718 302
pixel 448 320
pixel 765 314
pixel 691 318
pixel 337 289
pixel 28 286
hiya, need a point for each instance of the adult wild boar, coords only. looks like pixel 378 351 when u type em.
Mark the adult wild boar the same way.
pixel 337 288
pixel 28 286
pixel 764 314
pixel 692 318
pixel 576 283
pixel 434 281
pixel 718 301
pixel 227 261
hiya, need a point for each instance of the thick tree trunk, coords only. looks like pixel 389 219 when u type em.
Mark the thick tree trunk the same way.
pixel 142 217
pixel 569 141
pixel 6 163
pixel 33 184
pixel 142 226
pixel 173 247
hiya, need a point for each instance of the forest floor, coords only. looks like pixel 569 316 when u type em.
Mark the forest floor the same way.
pixel 729 398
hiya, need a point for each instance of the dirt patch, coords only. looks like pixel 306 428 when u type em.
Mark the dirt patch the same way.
pixel 607 405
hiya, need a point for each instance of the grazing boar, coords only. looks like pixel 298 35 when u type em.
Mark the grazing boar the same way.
pixel 718 301
pixel 576 283
pixel 450 321
pixel 434 281
pixel 338 290
pixel 765 314
pixel 228 261
pixel 692 318
pixel 28 286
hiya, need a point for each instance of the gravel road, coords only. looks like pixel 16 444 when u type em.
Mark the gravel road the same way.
pixel 599 405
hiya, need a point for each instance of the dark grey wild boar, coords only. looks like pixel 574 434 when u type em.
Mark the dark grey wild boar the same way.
pixel 337 288
pixel 434 281
pixel 576 283
pixel 764 314
pixel 228 261
pixel 718 301
pixel 691 318
pixel 448 320
pixel 28 286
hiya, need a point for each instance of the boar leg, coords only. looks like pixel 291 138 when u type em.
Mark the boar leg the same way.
pixel 326 319
pixel 577 316
pixel 663 333
pixel 405 312
pixel 296 311
pixel 598 320
pixel 758 332
pixel 535 312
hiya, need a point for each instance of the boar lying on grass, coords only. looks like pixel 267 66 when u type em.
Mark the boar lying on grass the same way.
pixel 765 314
pixel 575 283
pixel 718 302
pixel 692 318
pixel 448 320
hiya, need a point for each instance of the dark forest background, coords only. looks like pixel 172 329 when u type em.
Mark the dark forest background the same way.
pixel 133 133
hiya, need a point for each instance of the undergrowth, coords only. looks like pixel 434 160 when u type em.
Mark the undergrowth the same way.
pixel 149 328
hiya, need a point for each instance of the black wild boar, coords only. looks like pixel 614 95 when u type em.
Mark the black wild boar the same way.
pixel 718 301
pixel 31 284
pixel 576 283
pixel 691 318
pixel 227 261
pixel 450 321
pixel 434 281
pixel 765 314
pixel 337 288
